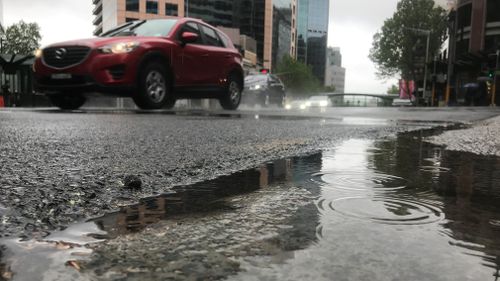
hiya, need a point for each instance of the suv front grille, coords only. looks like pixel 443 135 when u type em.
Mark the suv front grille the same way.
pixel 61 57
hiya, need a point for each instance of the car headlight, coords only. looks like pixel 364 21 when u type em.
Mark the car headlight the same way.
pixel 323 103
pixel 119 48
pixel 38 53
pixel 308 104
pixel 303 106
pixel 288 106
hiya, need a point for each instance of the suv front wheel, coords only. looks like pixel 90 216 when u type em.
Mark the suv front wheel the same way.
pixel 232 96
pixel 154 88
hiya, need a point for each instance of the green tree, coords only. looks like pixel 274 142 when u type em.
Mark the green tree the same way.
pixel 397 48
pixel 329 89
pixel 22 38
pixel 297 77
pixel 393 90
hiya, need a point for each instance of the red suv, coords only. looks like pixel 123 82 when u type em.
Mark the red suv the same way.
pixel 155 62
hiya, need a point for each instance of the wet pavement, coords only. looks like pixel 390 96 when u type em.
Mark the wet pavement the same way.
pixel 392 208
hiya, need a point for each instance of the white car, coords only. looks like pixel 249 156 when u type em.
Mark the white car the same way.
pixel 318 101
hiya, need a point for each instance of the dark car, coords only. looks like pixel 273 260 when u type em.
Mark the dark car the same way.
pixel 155 62
pixel 263 89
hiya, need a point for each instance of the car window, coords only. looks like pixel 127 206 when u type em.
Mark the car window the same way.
pixel 225 40
pixel 157 28
pixel 193 28
pixel 211 37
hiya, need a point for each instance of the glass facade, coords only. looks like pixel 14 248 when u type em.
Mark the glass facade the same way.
pixel 132 5
pixel 245 15
pixel 152 7
pixel 312 34
pixel 171 9
pixel 282 30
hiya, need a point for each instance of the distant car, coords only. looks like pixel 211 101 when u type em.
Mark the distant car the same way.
pixel 264 89
pixel 155 62
pixel 318 101
pixel 402 102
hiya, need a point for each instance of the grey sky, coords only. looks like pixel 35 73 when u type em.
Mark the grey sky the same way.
pixel 352 25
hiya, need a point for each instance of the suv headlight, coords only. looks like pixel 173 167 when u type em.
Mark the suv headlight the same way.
pixel 119 48
pixel 38 53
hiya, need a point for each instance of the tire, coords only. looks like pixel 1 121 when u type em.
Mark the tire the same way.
pixel 233 93
pixel 154 88
pixel 68 101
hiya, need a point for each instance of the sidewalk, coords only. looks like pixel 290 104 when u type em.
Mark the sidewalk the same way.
pixel 483 138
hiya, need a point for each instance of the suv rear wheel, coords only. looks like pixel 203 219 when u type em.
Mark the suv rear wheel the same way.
pixel 154 88
pixel 232 97
pixel 67 101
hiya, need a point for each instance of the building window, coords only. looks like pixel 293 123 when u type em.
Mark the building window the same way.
pixel 152 7
pixel 493 14
pixel 171 9
pixel 132 5
pixel 130 19
pixel 464 16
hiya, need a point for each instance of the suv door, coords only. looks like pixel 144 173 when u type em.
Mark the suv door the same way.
pixel 218 57
pixel 191 59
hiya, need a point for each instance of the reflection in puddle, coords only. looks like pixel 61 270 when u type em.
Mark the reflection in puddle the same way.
pixel 367 210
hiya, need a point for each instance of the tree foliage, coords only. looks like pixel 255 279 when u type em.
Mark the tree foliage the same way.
pixel 398 48
pixel 297 77
pixel 22 38
pixel 393 90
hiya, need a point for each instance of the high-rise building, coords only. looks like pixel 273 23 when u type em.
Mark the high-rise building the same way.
pixel 1 17
pixel 284 29
pixel 334 72
pixel 110 13
pixel 312 34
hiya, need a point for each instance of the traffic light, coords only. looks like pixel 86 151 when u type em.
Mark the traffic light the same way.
pixel 491 74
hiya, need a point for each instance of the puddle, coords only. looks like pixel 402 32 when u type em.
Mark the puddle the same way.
pixel 396 209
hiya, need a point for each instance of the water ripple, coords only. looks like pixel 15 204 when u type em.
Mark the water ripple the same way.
pixel 394 211
pixel 360 181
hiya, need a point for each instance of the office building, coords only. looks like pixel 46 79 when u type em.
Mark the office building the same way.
pixel 474 40
pixel 111 13
pixel 1 18
pixel 312 34
pixel 284 30
pixel 334 72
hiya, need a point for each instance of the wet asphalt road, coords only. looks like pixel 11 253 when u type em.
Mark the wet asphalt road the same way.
pixel 60 167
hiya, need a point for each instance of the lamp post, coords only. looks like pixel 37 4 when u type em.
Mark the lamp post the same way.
pixel 494 89
pixel 428 34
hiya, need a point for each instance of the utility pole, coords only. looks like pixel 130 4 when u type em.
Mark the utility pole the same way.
pixel 495 80
pixel 425 63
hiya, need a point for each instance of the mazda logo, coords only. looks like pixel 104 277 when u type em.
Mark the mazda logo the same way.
pixel 61 53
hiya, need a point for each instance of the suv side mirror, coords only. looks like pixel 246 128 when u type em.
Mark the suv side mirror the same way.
pixel 189 37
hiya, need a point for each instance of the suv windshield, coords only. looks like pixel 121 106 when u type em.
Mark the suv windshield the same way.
pixel 155 28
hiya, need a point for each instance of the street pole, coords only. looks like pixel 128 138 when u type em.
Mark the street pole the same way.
pixel 425 63
pixel 434 78
pixel 187 8
pixel 494 89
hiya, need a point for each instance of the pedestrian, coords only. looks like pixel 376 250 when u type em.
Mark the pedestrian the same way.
pixel 6 93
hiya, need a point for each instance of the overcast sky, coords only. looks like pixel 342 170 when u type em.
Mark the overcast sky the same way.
pixel 352 26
